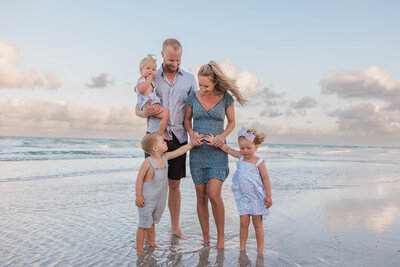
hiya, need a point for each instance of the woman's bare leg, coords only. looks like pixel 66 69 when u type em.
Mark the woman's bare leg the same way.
pixel 214 193
pixel 202 211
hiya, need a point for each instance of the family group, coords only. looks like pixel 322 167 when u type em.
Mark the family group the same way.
pixel 175 107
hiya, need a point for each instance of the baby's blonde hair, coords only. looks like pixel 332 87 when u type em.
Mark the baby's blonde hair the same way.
pixel 221 81
pixel 150 57
pixel 259 139
pixel 148 141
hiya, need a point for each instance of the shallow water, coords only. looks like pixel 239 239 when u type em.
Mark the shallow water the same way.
pixel 332 206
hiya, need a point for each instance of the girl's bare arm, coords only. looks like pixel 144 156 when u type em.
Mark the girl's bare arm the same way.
pixel 233 152
pixel 267 184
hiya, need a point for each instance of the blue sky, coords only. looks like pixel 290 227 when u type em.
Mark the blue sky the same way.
pixel 319 72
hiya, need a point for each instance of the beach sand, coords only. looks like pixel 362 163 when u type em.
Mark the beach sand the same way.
pixel 91 220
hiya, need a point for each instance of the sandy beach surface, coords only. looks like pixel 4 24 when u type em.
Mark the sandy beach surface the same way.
pixel 344 211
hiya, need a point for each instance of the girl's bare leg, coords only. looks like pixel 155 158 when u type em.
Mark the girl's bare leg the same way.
pixel 259 229
pixel 202 211
pixel 244 230
pixel 214 193
pixel 140 240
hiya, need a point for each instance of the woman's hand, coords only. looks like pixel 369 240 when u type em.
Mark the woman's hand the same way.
pixel 196 138
pixel 217 141
pixel 209 138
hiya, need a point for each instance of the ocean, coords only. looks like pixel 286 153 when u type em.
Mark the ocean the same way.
pixel 70 201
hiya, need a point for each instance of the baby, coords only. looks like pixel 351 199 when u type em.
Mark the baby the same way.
pixel 145 91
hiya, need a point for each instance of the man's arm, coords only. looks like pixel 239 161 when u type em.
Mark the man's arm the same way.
pixel 148 111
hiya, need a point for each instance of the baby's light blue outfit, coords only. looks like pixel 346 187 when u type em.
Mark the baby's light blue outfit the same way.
pixel 207 161
pixel 142 99
pixel 248 189
pixel 155 195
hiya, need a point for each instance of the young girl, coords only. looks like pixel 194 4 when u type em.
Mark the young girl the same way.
pixel 250 185
pixel 152 186
pixel 145 91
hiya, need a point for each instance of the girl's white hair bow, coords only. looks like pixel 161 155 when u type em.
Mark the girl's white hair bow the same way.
pixel 248 135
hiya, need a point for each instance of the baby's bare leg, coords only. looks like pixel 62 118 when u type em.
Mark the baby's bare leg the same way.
pixel 164 116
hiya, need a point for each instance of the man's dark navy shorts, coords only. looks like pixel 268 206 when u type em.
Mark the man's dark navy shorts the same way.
pixel 176 166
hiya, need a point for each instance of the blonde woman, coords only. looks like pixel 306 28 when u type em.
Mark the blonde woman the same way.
pixel 208 108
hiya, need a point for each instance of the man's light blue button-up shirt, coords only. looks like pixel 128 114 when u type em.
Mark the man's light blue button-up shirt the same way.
pixel 173 99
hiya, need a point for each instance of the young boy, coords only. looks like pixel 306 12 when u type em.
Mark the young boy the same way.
pixel 152 186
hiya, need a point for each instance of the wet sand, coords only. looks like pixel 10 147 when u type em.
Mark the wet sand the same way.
pixel 92 220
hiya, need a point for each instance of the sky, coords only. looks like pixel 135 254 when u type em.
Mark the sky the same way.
pixel 314 72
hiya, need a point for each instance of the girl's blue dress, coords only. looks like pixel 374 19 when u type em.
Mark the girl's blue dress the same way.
pixel 248 189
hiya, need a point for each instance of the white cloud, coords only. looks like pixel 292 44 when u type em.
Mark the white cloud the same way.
pixel 305 102
pixel 247 81
pixel 12 77
pixel 61 116
pixel 371 83
pixel 367 120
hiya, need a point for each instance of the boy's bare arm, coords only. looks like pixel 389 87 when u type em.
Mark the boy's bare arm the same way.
pixel 180 151
pixel 139 183
pixel 267 184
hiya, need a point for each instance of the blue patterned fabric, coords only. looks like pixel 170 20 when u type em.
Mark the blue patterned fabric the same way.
pixel 142 99
pixel 206 161
pixel 248 189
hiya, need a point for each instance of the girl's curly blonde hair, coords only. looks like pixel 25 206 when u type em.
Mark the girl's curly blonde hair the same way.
pixel 259 139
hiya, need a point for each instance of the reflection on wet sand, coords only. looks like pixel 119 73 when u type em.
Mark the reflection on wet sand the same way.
pixel 373 206
pixel 204 254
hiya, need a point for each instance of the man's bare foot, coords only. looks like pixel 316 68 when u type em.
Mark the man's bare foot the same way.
pixel 139 251
pixel 165 137
pixel 154 246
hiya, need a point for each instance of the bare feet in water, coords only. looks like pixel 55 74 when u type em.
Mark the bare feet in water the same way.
pixel 220 245
pixel 178 233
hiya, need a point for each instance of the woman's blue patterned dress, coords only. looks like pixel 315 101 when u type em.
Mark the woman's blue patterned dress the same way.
pixel 206 161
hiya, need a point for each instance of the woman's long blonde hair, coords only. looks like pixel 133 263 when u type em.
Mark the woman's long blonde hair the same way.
pixel 221 81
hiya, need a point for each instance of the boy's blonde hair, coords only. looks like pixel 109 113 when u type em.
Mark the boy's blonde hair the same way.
pixel 221 81
pixel 259 139
pixel 147 59
pixel 148 141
